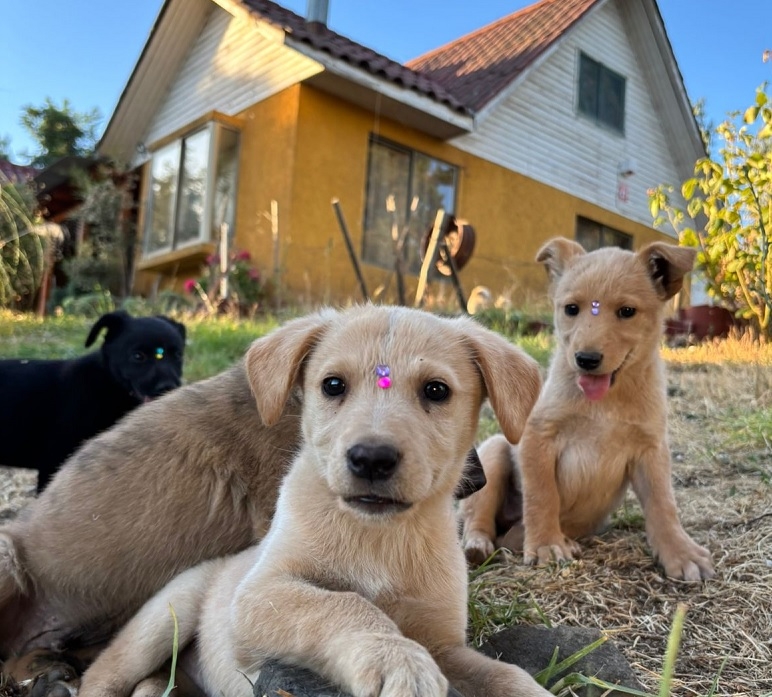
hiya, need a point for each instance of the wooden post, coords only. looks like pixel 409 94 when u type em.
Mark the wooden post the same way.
pixel 447 257
pixel 430 258
pixel 276 253
pixel 224 289
pixel 350 247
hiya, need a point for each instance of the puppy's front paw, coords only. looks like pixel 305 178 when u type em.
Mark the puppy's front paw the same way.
pixel 394 666
pixel 478 547
pixel 686 561
pixel 556 549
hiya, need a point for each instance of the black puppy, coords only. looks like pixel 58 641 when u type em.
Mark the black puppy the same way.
pixel 49 407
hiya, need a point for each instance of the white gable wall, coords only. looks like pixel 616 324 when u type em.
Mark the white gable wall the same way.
pixel 229 67
pixel 536 130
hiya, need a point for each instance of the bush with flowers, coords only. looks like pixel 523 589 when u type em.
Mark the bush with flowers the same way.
pixel 246 289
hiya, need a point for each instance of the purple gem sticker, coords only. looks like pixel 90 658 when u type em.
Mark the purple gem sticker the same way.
pixel 595 309
pixel 383 373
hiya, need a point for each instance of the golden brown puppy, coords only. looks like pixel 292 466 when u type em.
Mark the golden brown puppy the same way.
pixel 361 576
pixel 190 476
pixel 600 423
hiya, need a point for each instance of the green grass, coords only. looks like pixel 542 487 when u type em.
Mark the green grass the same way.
pixel 750 433
pixel 212 344
pixel 215 343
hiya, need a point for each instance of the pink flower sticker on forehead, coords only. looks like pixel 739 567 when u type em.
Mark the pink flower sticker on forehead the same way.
pixel 384 376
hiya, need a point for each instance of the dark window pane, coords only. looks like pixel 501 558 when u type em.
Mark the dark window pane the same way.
pixel 227 163
pixel 601 93
pixel 592 236
pixel 404 191
pixel 588 234
pixel 195 161
pixel 615 238
pixel 163 198
pixel 611 108
pixel 434 187
pixel 588 86
pixel 388 182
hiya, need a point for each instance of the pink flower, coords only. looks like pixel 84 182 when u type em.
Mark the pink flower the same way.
pixel 242 256
pixel 254 274
pixel 189 285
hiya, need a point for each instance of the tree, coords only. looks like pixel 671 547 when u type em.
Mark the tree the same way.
pixel 731 197
pixel 60 131
pixel 5 148
pixel 22 251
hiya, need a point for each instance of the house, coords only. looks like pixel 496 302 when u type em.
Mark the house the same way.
pixel 244 118
pixel 16 174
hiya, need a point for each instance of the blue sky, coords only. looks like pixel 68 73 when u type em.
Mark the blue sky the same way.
pixel 85 50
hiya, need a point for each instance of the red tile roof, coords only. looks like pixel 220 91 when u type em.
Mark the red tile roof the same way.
pixel 478 66
pixel 342 48
pixel 16 174
pixel 464 74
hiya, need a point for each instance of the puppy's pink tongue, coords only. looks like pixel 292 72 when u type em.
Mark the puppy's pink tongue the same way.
pixel 594 386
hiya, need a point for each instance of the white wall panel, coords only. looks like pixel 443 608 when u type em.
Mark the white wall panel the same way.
pixel 537 131
pixel 229 67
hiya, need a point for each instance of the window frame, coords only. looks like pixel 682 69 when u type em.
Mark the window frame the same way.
pixel 411 186
pixel 603 231
pixel 206 231
pixel 602 98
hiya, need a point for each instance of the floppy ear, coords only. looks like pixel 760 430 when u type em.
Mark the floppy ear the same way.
pixel 556 254
pixel 273 363
pixel 112 321
pixel 175 325
pixel 667 265
pixel 512 380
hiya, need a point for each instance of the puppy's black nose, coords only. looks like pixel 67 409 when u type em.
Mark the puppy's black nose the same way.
pixel 588 360
pixel 372 461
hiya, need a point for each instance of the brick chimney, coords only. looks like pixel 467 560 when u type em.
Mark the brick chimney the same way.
pixel 317 11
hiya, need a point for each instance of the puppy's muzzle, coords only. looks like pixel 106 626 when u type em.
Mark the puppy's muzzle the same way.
pixel 372 465
pixel 164 387
pixel 372 462
pixel 588 360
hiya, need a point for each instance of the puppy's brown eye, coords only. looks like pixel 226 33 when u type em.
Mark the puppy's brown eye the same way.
pixel 333 387
pixel 571 309
pixel 436 391
pixel 625 312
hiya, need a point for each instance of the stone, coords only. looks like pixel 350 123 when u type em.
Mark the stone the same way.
pixel 282 680
pixel 532 648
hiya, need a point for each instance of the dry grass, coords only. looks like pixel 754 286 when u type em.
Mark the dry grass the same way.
pixel 721 439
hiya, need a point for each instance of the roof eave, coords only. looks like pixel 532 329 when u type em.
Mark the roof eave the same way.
pixel 169 39
pixel 402 104
pixel 504 94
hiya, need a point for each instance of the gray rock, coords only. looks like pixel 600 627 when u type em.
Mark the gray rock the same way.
pixel 532 648
pixel 279 680
pixel 529 647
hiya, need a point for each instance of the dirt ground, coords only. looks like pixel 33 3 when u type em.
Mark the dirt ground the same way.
pixel 722 471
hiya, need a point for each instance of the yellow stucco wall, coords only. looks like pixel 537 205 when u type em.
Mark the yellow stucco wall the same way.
pixel 322 155
pixel 304 147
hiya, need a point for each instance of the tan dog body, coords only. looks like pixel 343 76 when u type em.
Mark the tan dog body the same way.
pixel 600 423
pixel 361 576
pixel 191 476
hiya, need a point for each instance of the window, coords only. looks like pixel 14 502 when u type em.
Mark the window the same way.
pixel 404 191
pixel 601 94
pixel 192 189
pixel 592 235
